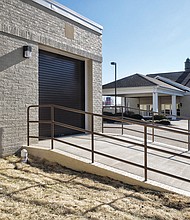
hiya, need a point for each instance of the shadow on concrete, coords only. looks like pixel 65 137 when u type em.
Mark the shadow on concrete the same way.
pixel 11 59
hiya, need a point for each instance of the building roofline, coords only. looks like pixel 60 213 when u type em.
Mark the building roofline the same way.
pixel 154 81
pixel 70 14
pixel 147 78
pixel 180 71
pixel 173 83
pixel 161 83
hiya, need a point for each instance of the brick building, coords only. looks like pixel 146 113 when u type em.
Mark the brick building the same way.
pixel 65 66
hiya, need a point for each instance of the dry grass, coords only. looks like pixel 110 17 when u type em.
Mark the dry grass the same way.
pixel 41 190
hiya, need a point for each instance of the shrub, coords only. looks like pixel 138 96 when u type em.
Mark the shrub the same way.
pixel 137 116
pixel 159 117
pixel 108 114
pixel 118 114
pixel 128 113
pixel 163 122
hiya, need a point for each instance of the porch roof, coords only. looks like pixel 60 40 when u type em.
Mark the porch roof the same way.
pixel 182 77
pixel 141 85
pixel 136 80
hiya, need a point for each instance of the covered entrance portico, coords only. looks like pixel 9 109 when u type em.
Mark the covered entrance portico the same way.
pixel 156 96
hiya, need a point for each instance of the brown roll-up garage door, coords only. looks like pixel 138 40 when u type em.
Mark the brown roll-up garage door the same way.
pixel 61 82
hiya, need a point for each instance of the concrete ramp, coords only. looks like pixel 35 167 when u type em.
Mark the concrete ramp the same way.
pixel 81 160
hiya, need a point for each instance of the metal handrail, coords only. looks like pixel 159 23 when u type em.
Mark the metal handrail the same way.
pixel 134 121
pixel 153 122
pixel 91 131
pixel 150 111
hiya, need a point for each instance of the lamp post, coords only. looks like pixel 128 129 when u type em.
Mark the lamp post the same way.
pixel 115 64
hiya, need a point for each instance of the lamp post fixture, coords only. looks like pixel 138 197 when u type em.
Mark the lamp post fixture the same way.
pixel 115 64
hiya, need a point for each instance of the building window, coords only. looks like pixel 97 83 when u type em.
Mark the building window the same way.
pixel 146 108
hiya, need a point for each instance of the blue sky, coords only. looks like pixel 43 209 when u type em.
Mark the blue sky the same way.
pixel 142 36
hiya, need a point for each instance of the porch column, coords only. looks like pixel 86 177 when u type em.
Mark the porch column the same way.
pixel 122 104
pixel 155 102
pixel 123 101
pixel 174 112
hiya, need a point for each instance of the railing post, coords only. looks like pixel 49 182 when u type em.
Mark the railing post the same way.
pixel 145 153
pixel 52 126
pixel 122 120
pixel 153 127
pixel 102 120
pixel 92 137
pixel 28 128
pixel 188 134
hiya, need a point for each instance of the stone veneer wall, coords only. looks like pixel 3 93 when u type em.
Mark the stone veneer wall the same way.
pixel 97 93
pixel 18 89
pixel 24 22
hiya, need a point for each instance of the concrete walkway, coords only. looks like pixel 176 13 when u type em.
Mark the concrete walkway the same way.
pixel 131 152
pixel 182 124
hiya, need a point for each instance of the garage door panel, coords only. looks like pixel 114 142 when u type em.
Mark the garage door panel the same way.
pixel 61 82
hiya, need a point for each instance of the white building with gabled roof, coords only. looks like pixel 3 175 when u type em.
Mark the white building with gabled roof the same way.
pixel 162 92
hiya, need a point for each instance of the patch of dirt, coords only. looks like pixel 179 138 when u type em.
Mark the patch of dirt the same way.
pixel 41 190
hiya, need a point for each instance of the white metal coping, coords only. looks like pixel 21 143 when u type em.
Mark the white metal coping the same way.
pixel 70 14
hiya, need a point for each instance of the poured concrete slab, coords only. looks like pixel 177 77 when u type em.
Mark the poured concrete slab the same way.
pixel 131 152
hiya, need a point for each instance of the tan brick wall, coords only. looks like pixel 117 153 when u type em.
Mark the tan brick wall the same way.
pixel 18 89
pixel 24 22
pixel 97 93
pixel 45 27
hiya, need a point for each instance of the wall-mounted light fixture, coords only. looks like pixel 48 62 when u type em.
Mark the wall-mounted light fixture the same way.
pixel 27 51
